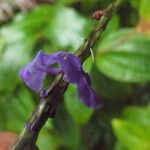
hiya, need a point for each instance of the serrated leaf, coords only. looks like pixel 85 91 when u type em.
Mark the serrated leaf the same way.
pixel 78 111
pixel 134 129
pixel 124 56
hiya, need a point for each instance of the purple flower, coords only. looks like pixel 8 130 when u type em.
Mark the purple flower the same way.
pixel 34 73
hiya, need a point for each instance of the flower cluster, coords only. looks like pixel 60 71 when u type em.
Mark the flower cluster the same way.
pixel 34 73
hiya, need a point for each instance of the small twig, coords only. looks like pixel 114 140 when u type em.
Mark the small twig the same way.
pixel 47 106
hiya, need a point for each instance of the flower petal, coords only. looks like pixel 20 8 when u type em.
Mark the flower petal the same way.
pixel 34 73
pixel 53 58
pixel 88 95
pixel 71 67
pixel 32 76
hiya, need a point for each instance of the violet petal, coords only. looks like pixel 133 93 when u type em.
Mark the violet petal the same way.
pixel 88 95
pixel 71 67
pixel 32 77
pixel 34 73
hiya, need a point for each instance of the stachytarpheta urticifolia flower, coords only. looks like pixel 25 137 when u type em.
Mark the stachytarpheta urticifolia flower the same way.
pixel 34 73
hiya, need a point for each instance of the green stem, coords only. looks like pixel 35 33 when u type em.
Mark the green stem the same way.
pixel 47 106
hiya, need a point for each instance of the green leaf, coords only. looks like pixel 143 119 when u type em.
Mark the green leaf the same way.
pixel 108 88
pixel 144 10
pixel 113 25
pixel 78 111
pixel 16 109
pixel 134 129
pixel 2 44
pixel 87 65
pixel 68 33
pixel 66 2
pixel 11 60
pixel 48 140
pixel 46 26
pixel 16 39
pixel 119 146
pixel 136 3
pixel 66 129
pixel 8 80
pixel 132 115
pixel 124 56
pixel 15 54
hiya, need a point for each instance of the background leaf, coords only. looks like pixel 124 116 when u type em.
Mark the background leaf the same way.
pixel 66 129
pixel 144 10
pixel 78 111
pixel 13 107
pixel 108 88
pixel 134 130
pixel 124 55
pixel 136 3
pixel 51 31
pixel 48 139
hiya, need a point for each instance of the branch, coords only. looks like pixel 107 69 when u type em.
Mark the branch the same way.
pixel 47 106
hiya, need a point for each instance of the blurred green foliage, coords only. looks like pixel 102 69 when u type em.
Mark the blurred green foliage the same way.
pixel 133 131
pixel 79 112
pixel 144 10
pixel 124 56
pixel 120 74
